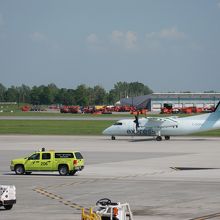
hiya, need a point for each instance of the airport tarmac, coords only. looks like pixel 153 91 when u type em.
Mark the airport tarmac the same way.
pixel 133 170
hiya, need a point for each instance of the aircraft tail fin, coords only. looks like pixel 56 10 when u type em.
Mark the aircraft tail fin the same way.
pixel 217 108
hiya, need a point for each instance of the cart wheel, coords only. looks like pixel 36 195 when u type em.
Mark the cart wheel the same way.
pixel 8 207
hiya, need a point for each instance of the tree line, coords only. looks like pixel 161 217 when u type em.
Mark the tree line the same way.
pixel 83 95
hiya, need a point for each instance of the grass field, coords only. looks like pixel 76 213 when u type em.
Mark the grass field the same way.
pixel 54 127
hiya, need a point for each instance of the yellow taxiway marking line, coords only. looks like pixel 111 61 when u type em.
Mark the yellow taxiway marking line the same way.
pixel 206 217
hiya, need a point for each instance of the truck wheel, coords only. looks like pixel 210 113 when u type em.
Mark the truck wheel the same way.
pixel 63 170
pixel 8 207
pixel 19 169
pixel 73 172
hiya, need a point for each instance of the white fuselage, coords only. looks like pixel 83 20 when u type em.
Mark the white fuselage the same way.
pixel 176 126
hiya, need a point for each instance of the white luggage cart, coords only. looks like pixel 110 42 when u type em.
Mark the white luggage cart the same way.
pixel 7 196
pixel 109 210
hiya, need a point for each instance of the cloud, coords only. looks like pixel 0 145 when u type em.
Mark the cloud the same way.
pixel 172 33
pixel 127 39
pixel 92 39
pixel 167 33
pixel 218 4
pixel 117 36
pixel 95 43
pixel 130 40
pixel 37 37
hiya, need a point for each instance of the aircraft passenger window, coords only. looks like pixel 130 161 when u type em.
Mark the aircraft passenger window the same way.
pixel 118 123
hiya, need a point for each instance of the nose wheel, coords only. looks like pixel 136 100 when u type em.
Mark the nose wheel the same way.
pixel 113 138
pixel 159 138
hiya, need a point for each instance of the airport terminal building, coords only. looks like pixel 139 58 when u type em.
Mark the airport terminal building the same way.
pixel 155 102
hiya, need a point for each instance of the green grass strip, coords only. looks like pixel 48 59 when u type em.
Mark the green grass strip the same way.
pixel 53 127
pixel 59 127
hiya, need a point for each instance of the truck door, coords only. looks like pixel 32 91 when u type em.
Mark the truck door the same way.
pixel 33 162
pixel 46 161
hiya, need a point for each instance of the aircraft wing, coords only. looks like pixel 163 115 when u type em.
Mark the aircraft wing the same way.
pixel 160 122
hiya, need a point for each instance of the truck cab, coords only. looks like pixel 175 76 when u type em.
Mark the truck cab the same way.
pixel 66 162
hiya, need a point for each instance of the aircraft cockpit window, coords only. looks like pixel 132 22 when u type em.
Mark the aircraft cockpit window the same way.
pixel 118 123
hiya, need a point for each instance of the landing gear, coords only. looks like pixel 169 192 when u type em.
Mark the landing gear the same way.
pixel 113 137
pixel 159 138
pixel 167 137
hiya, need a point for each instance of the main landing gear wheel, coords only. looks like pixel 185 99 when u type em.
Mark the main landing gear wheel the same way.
pixel 159 138
pixel 113 137
pixel 167 137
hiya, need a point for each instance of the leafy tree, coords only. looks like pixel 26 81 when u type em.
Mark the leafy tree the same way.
pixel 111 97
pixel 137 89
pixel 124 89
pixel 35 95
pixel 99 95
pixel 12 94
pixel 48 94
pixel 53 90
pixel 2 93
pixel 81 95
pixel 65 97
pixel 24 93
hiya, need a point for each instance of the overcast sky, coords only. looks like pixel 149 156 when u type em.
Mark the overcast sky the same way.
pixel 171 45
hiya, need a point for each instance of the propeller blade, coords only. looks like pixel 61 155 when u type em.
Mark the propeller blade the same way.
pixel 136 121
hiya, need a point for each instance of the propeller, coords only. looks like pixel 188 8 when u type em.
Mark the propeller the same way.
pixel 136 121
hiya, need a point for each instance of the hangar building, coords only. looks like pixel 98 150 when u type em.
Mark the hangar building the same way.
pixel 156 101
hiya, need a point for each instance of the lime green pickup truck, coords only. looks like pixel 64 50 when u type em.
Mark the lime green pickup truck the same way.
pixel 66 162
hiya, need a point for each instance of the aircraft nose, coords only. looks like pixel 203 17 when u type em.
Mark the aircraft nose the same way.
pixel 107 131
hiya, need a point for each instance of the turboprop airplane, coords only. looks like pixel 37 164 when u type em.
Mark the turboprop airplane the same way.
pixel 165 126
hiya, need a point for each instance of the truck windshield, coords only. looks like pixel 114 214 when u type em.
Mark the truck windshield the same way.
pixel 34 157
pixel 78 155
